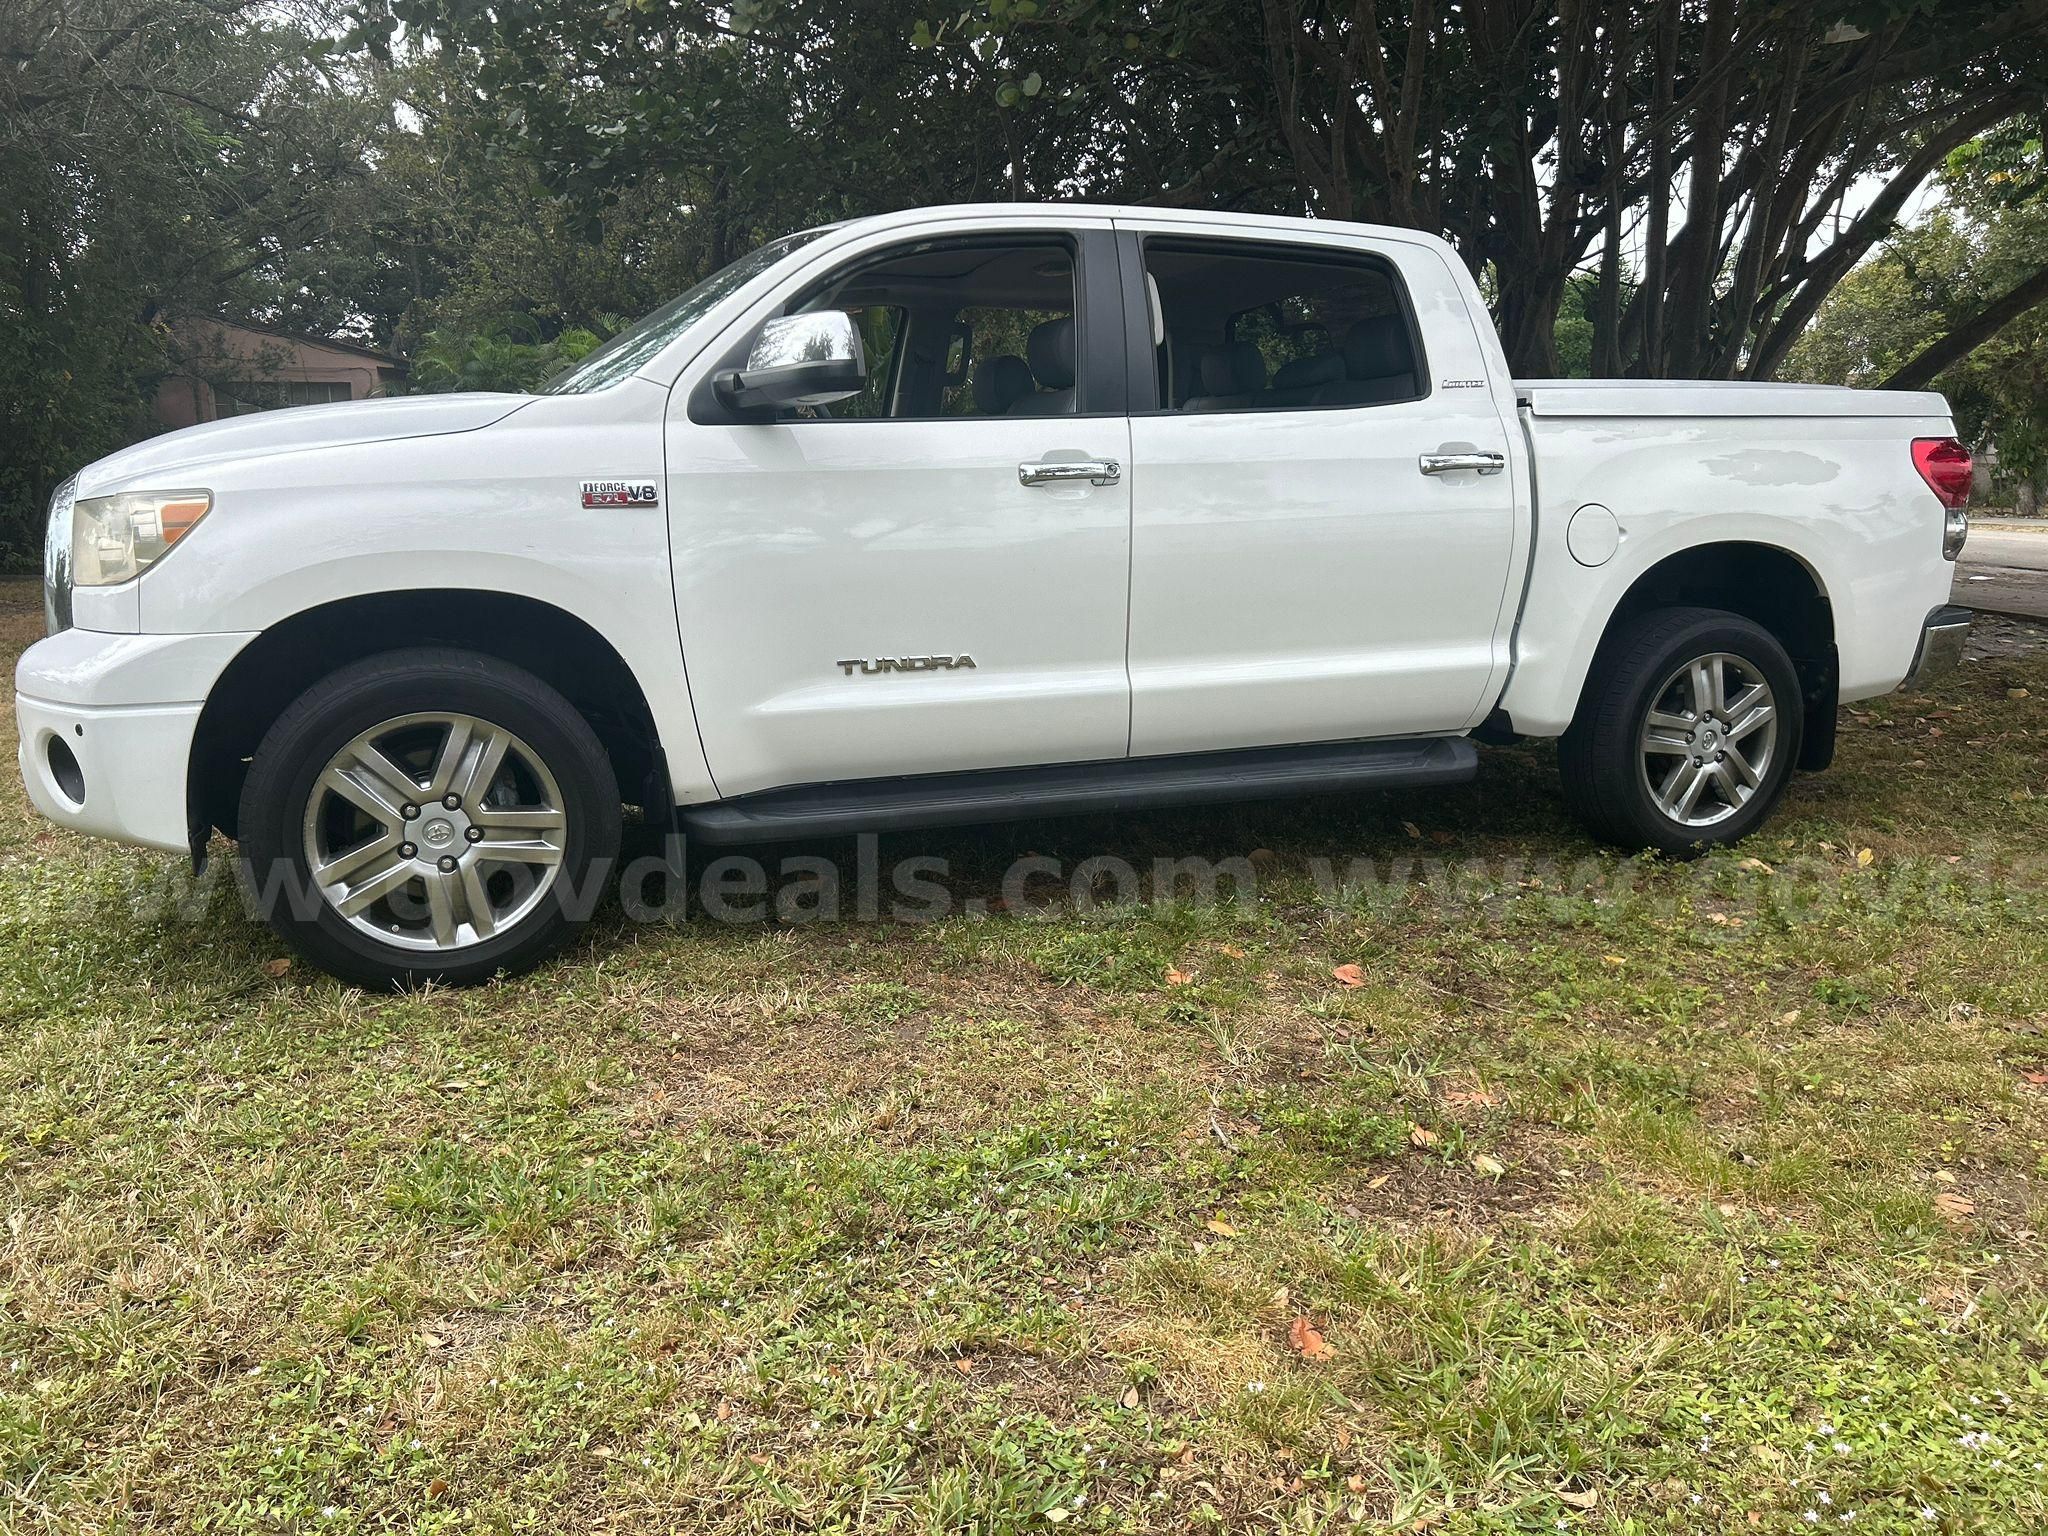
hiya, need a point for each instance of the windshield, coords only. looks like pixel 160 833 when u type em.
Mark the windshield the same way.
pixel 625 352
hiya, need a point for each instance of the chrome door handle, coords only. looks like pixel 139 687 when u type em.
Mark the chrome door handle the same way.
pixel 1446 463
pixel 1094 471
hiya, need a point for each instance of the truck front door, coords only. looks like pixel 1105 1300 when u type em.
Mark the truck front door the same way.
pixel 918 579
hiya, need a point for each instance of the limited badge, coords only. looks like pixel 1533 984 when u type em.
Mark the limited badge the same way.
pixel 621 493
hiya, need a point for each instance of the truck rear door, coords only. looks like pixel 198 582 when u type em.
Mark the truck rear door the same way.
pixel 1324 515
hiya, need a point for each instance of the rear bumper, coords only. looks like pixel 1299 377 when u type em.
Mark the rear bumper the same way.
pixel 106 724
pixel 1942 637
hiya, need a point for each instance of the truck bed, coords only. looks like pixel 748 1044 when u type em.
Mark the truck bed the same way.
pixel 1694 397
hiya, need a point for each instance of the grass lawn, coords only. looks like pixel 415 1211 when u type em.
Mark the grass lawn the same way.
pixel 1601 1195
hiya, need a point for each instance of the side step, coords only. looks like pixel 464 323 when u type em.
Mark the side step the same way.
pixel 1080 789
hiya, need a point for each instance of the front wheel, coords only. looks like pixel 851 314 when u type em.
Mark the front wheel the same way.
pixel 1687 734
pixel 428 816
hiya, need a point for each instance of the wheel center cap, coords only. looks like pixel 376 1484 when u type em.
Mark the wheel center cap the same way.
pixel 438 833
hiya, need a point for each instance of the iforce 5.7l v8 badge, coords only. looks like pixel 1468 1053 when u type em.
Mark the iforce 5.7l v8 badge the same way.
pixel 621 493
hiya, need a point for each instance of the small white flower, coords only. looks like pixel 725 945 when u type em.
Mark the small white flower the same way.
pixel 1928 1514
pixel 1841 1447
pixel 1822 1496
pixel 1811 1517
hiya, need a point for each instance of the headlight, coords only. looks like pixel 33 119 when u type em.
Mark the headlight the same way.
pixel 57 559
pixel 116 537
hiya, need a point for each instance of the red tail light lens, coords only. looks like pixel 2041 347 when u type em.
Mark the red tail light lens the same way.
pixel 1945 465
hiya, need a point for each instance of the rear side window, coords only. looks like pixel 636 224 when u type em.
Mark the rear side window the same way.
pixel 1252 326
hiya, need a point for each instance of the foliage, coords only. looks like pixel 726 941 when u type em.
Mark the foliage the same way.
pixel 156 157
pixel 1989 234
pixel 491 359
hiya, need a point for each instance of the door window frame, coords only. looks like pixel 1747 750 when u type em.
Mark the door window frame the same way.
pixel 1143 386
pixel 1102 365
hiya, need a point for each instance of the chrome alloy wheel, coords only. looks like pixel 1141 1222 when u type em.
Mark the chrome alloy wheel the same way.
pixel 434 831
pixel 1709 741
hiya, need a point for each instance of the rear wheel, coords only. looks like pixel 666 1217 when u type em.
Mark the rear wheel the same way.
pixel 1687 734
pixel 428 816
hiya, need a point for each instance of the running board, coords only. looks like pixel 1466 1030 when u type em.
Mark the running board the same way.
pixel 1080 789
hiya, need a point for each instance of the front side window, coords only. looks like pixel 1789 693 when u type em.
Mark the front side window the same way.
pixel 1255 327
pixel 979 326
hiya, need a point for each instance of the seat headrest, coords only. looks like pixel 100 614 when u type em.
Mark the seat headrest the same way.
pixel 1377 348
pixel 1051 349
pixel 1309 372
pixel 1235 368
pixel 1000 382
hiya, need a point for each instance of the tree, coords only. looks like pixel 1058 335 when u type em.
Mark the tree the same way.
pixel 156 156
pixel 1892 321
pixel 1725 138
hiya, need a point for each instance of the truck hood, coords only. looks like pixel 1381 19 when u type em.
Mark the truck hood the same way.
pixel 177 460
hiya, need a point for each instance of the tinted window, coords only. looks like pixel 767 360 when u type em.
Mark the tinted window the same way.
pixel 974 327
pixel 1256 327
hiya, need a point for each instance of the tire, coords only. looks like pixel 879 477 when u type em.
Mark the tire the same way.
pixel 1615 761
pixel 439 896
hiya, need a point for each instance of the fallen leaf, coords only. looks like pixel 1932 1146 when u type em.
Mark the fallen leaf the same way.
pixel 1422 1136
pixel 1478 1098
pixel 1350 975
pixel 1493 1168
pixel 724 1410
pixel 1220 1227
pixel 437 1487
pixel 1378 1183
pixel 1757 866
pixel 1231 950
pixel 1579 1498
pixel 1130 1399
pixel 964 1366
pixel 1863 858
pixel 1725 1208
pixel 2016 693
pixel 1177 978
pixel 1613 960
pixel 2038 1079
pixel 1954 1206
pixel 278 966
pixel 1943 1176
pixel 1411 829
pixel 1058 1514
pixel 1307 1342
pixel 432 1340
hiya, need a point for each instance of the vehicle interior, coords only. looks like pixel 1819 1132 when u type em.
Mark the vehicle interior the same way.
pixel 1262 328
pixel 962 328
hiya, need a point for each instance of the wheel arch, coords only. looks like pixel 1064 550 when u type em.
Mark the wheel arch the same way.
pixel 285 659
pixel 1766 583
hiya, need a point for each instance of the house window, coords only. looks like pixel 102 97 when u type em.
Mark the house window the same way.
pixel 246 396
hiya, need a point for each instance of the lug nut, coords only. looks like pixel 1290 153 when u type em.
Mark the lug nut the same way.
pixel 409 811
pixel 475 834
pixel 408 850
pixel 452 801
pixel 447 863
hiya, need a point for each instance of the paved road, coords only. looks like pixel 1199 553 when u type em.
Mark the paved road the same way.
pixel 2005 566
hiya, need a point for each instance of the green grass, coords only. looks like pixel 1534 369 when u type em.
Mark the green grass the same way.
pixel 1612 1188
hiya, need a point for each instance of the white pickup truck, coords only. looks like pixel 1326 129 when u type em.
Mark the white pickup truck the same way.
pixel 960 514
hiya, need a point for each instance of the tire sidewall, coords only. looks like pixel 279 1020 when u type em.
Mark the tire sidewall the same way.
pixel 302 743
pixel 1758 649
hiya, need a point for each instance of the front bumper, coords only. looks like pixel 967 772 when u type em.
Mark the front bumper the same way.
pixel 106 724
pixel 1942 638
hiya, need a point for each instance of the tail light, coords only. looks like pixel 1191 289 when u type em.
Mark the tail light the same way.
pixel 1945 465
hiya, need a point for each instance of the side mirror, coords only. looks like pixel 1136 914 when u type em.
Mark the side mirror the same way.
pixel 810 359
